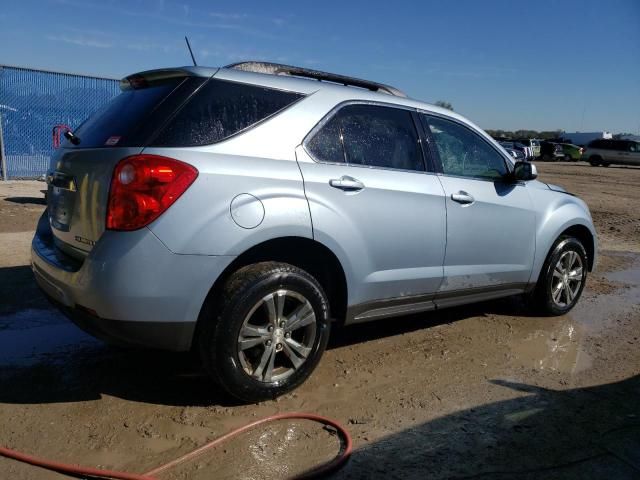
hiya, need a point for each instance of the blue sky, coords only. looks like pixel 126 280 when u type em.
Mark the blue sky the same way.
pixel 544 64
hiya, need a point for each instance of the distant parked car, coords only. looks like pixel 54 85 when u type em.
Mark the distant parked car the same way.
pixel 518 155
pixel 533 143
pixel 527 151
pixel 551 152
pixel 618 152
pixel 572 153
pixel 515 145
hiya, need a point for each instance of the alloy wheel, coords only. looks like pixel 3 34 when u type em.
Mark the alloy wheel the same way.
pixel 567 279
pixel 277 336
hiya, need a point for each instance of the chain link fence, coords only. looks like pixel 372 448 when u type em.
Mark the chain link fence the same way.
pixel 32 103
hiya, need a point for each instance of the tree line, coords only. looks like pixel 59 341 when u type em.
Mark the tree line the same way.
pixel 544 135
pixel 555 135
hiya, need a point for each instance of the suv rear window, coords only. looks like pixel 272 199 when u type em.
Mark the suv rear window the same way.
pixel 131 117
pixel 219 110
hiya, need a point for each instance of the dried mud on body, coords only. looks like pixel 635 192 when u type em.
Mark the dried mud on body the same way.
pixel 488 390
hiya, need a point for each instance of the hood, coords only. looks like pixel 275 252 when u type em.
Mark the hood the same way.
pixel 547 186
pixel 556 188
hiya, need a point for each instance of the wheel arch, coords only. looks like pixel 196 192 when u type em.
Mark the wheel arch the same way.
pixel 587 239
pixel 308 254
pixel 579 229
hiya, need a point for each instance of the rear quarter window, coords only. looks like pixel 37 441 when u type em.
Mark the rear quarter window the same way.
pixel 219 110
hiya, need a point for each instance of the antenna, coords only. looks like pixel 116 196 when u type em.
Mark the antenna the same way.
pixel 190 51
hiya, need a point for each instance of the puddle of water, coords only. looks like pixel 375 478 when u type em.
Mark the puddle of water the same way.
pixel 557 348
pixel 631 278
pixel 33 336
pixel 600 313
pixel 597 314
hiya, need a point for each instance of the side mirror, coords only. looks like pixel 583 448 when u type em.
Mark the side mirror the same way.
pixel 525 171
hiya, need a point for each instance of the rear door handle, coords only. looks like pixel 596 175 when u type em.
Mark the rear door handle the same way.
pixel 348 184
pixel 462 197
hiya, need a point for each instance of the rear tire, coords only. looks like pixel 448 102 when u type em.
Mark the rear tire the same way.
pixel 595 161
pixel 266 332
pixel 562 278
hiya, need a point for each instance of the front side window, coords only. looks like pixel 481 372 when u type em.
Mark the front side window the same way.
pixel 463 152
pixel 369 135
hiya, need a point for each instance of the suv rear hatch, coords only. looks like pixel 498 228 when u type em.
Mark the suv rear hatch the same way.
pixel 162 108
pixel 80 174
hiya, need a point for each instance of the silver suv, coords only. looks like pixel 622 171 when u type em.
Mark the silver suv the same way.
pixel 612 152
pixel 241 211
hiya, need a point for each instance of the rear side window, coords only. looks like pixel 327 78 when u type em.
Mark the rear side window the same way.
pixel 131 117
pixel 219 110
pixel 370 135
pixel 463 152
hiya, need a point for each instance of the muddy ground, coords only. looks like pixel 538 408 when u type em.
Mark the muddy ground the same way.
pixel 487 391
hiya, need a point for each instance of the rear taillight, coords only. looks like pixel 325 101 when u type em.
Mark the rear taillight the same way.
pixel 143 187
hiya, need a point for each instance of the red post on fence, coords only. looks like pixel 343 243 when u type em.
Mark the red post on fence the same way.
pixel 57 131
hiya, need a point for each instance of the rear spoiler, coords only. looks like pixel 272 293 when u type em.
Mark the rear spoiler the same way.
pixel 151 77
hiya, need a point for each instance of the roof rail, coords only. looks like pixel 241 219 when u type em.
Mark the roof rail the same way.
pixel 279 69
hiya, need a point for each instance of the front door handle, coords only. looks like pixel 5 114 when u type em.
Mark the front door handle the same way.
pixel 462 197
pixel 348 184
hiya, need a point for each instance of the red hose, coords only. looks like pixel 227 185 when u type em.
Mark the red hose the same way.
pixel 323 469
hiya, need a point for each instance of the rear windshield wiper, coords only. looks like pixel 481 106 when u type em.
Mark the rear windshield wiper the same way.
pixel 69 135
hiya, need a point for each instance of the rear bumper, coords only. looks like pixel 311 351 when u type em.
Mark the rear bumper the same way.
pixel 130 289
pixel 176 336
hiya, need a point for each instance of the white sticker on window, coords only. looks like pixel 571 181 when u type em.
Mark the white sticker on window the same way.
pixel 112 141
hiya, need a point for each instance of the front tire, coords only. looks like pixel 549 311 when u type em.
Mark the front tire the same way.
pixel 266 332
pixel 562 278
